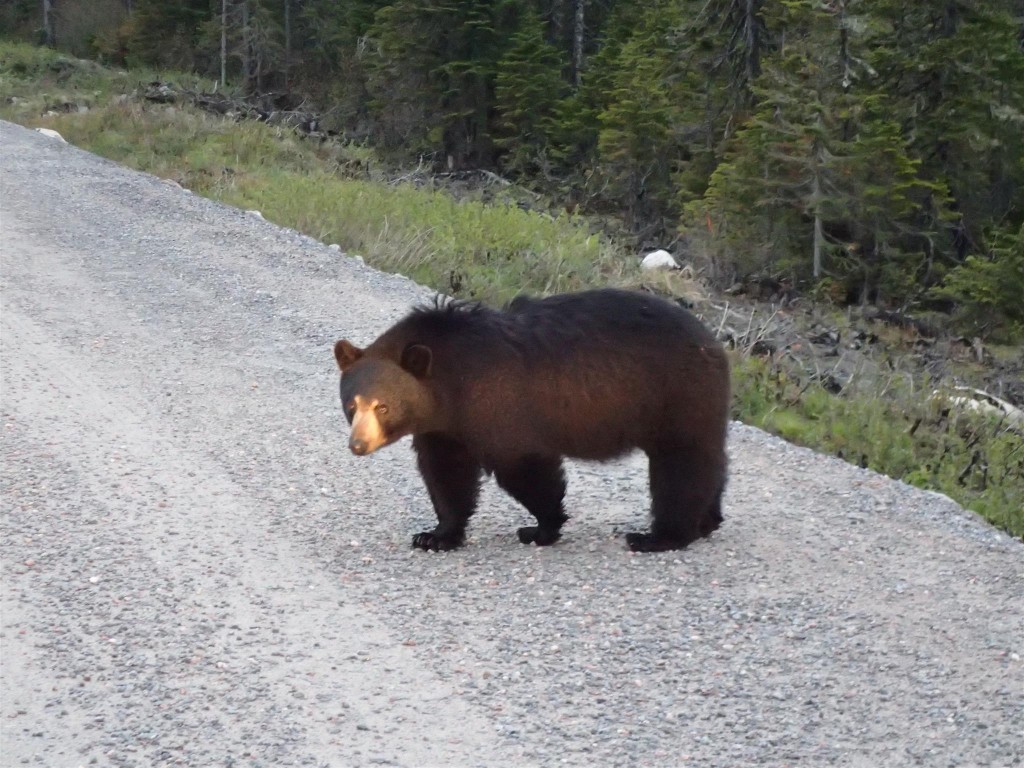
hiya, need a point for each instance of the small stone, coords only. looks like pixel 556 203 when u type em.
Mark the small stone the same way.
pixel 659 259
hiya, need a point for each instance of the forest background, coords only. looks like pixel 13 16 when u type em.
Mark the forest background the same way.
pixel 848 152
pixel 863 149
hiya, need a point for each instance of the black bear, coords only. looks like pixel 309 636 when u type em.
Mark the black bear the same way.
pixel 588 375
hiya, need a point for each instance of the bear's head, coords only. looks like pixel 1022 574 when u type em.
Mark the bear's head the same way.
pixel 384 399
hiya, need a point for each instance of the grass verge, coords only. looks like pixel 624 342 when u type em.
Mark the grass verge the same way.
pixel 490 252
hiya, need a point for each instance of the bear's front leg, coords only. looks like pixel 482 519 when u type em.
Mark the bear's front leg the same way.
pixel 452 477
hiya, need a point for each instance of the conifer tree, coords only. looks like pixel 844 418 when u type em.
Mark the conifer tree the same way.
pixel 528 91
pixel 988 287
pixel 168 32
pixel 953 71
pixel 576 126
pixel 636 142
pixel 820 180
pixel 431 73
pixel 782 179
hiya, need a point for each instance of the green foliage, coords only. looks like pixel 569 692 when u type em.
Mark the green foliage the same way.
pixel 581 111
pixel 431 74
pixel 21 18
pixel 38 80
pixel 166 33
pixel 953 75
pixel 529 90
pixel 822 181
pixel 636 142
pixel 873 144
pixel 466 249
pixel 990 290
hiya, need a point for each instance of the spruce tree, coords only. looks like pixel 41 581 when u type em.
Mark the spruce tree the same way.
pixel 820 181
pixel 637 142
pixel 953 71
pixel 167 33
pixel 432 73
pixel 529 88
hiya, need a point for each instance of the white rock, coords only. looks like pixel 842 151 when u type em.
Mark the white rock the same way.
pixel 334 247
pixel 257 214
pixel 659 259
pixel 52 134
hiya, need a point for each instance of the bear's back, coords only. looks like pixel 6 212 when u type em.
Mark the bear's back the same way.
pixel 589 374
pixel 603 315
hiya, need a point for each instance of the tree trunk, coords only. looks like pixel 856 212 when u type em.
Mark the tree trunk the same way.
pixel 287 41
pixel 577 42
pixel 223 43
pixel 753 52
pixel 819 230
pixel 557 23
pixel 246 48
pixel 48 30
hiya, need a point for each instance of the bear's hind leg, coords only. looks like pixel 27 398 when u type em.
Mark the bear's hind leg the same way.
pixel 538 483
pixel 452 477
pixel 713 518
pixel 686 492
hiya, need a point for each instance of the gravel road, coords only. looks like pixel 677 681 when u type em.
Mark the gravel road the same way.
pixel 196 572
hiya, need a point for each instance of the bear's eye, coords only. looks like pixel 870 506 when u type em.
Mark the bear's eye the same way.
pixel 382 409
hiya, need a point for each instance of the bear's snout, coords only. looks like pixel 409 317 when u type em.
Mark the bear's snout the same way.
pixel 357 446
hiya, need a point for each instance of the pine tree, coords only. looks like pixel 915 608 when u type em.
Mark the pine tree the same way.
pixel 331 31
pixel 529 89
pixel 432 70
pixel 782 179
pixel 719 46
pixel 954 74
pixel 168 32
pixel 820 181
pixel 637 143
pixel 401 55
pixel 988 288
pixel 891 211
pixel 332 52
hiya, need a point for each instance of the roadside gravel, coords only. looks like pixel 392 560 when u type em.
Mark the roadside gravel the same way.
pixel 196 572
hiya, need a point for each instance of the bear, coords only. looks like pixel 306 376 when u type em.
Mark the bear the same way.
pixel 511 392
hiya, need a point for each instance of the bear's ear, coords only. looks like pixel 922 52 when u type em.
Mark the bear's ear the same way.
pixel 416 359
pixel 346 353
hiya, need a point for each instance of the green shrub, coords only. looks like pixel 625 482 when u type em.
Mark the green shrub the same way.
pixel 990 290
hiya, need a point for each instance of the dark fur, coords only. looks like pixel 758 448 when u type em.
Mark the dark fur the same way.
pixel 590 375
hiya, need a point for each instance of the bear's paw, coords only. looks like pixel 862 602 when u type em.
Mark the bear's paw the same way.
pixel 433 542
pixel 542 537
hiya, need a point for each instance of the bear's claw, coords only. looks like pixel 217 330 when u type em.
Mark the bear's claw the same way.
pixel 430 541
pixel 542 537
pixel 647 542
